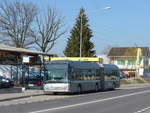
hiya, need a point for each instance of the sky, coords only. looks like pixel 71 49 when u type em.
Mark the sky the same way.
pixel 126 24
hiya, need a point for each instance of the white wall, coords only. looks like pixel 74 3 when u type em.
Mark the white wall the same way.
pixel 105 59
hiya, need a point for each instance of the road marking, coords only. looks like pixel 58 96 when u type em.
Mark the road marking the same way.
pixel 142 110
pixel 105 92
pixel 90 102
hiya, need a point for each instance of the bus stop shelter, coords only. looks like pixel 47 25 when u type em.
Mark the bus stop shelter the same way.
pixel 15 62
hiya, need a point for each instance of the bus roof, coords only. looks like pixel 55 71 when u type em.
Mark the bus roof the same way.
pixel 78 64
pixel 85 59
pixel 110 66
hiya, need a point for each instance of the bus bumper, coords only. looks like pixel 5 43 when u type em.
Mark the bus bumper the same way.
pixel 56 87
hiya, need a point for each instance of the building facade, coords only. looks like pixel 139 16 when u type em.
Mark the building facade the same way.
pixel 131 60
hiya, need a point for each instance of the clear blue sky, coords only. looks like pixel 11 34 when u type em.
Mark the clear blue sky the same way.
pixel 126 24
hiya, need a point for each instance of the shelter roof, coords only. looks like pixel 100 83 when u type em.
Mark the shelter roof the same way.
pixel 22 50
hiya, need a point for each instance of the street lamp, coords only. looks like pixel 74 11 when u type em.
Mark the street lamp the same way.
pixel 106 8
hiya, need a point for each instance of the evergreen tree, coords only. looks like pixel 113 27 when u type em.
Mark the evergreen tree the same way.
pixel 73 44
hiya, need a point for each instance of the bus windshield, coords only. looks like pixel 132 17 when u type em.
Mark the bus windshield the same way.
pixel 56 73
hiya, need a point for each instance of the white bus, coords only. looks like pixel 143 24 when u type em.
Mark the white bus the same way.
pixel 75 76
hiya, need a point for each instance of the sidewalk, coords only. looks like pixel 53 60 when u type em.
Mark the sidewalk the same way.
pixel 147 111
pixel 25 94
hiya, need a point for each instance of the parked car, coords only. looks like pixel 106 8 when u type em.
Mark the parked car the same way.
pixel 34 78
pixel 122 75
pixel 147 75
pixel 6 82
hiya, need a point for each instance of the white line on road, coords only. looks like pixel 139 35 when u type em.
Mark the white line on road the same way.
pixel 90 102
pixel 142 110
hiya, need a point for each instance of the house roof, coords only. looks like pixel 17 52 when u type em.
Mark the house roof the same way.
pixel 21 50
pixel 128 51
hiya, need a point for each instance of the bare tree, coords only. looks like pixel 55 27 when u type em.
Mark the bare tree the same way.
pixel 16 19
pixel 49 29
pixel 106 50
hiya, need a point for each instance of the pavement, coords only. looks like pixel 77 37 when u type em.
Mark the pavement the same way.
pixel 32 99
pixel 25 94
pixel 37 92
pixel 147 111
pixel 117 101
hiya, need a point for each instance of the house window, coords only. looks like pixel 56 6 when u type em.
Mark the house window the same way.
pixel 121 62
pixel 131 62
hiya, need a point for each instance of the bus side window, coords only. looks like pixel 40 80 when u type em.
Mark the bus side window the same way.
pixel 71 73
pixel 85 74
pixel 78 74
pixel 101 71
pixel 81 74
pixel 92 75
pixel 97 77
pixel 107 74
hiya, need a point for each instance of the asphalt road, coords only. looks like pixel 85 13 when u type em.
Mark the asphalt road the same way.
pixel 118 101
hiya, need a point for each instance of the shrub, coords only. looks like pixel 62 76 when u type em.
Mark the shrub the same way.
pixel 132 74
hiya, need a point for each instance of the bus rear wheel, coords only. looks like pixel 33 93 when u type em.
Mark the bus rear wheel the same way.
pixel 113 86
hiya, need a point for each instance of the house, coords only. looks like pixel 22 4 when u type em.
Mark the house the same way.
pixel 104 58
pixel 133 60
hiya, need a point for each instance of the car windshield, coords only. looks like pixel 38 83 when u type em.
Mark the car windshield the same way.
pixel 56 73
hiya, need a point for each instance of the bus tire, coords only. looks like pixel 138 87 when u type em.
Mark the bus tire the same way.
pixel 103 88
pixel 113 86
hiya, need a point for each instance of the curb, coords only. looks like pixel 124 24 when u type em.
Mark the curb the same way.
pixel 12 90
pixel 20 97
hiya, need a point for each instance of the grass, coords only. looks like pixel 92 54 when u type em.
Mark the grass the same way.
pixel 137 80
pixel 124 81
pixel 147 80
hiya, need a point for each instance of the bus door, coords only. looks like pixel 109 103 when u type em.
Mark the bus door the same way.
pixel 102 78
